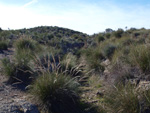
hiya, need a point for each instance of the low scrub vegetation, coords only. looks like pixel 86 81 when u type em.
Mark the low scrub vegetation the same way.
pixel 66 71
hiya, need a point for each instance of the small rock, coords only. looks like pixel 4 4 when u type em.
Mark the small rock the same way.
pixel 29 108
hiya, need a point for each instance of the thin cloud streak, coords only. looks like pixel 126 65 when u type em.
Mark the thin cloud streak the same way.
pixel 30 3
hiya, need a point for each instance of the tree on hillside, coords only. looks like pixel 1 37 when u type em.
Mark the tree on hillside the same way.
pixel 118 33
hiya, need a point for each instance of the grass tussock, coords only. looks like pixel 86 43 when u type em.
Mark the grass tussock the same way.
pixel 123 99
pixel 55 90
pixel 139 56
pixel 109 50
pixel 71 66
pixel 28 44
pixel 4 45
pixel 19 68
pixel 17 73
pixel 8 67
pixel 93 59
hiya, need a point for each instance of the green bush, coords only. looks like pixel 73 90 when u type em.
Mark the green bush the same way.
pixel 108 50
pixel 100 38
pixel 118 33
pixel 56 93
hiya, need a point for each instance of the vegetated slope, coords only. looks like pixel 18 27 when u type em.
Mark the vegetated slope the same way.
pixel 60 38
pixel 105 72
pixel 43 32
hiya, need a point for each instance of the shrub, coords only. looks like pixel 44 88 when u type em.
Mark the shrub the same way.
pixel 46 58
pixel 17 72
pixel 136 34
pixel 25 51
pixel 70 60
pixel 26 43
pixel 22 58
pixel 118 33
pixel 56 93
pixel 8 67
pixel 70 65
pixel 93 59
pixel 139 56
pixel 19 69
pixel 3 45
pixel 121 56
pixel 54 89
pixel 96 65
pixel 123 99
pixel 50 36
pixel 100 38
pixel 108 50
pixel 107 35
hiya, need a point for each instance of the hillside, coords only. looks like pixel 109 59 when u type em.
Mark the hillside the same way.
pixel 54 36
pixel 58 70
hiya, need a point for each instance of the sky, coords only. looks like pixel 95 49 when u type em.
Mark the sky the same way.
pixel 87 16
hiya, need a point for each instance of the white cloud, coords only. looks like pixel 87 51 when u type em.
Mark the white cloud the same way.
pixel 15 17
pixel 88 18
pixel 91 19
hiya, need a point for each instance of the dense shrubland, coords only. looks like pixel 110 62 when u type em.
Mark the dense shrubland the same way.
pixel 65 71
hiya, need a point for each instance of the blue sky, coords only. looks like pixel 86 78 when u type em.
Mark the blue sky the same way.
pixel 88 16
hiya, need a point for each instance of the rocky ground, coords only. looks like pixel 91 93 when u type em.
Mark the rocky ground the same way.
pixel 13 100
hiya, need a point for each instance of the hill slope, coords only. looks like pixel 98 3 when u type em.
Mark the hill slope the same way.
pixel 75 72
